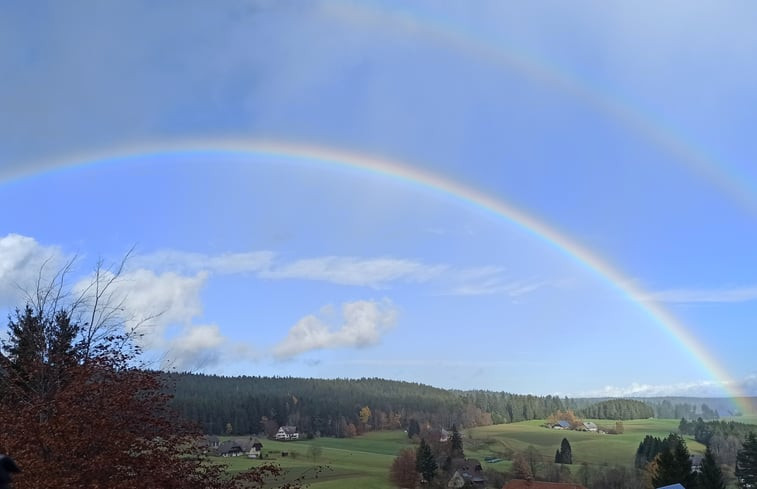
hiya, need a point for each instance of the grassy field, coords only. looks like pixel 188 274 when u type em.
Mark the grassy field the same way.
pixel 593 448
pixel 364 461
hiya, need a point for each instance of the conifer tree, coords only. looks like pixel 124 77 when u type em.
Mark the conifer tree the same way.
pixel 425 464
pixel 746 463
pixel 566 453
pixel 710 476
pixel 456 443
pixel 673 465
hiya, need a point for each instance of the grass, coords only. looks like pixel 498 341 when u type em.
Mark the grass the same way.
pixel 593 448
pixel 364 461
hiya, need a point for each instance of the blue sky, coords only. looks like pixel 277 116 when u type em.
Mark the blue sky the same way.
pixel 625 128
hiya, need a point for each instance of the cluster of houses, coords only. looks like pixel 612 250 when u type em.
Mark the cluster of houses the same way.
pixel 583 426
pixel 250 447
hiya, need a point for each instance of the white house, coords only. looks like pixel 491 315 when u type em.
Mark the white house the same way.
pixel 287 433
pixel 256 450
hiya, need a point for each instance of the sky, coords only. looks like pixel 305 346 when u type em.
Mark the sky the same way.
pixel 542 198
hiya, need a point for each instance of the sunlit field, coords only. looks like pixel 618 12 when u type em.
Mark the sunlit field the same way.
pixel 364 461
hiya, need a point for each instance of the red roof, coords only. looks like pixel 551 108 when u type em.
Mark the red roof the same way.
pixel 532 484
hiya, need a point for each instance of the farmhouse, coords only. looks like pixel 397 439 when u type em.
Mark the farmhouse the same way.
pixel 229 449
pixel 256 450
pixel 287 433
pixel 562 425
pixel 589 426
pixel 467 471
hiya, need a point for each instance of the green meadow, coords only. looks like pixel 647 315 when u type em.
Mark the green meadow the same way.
pixel 592 448
pixel 364 461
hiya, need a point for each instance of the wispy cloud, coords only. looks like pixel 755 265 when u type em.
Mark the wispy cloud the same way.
pixel 701 388
pixel 370 272
pixel 363 324
pixel 189 262
pixel 489 281
pixel 691 296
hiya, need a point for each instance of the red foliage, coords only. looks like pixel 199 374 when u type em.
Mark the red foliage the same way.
pixel 98 422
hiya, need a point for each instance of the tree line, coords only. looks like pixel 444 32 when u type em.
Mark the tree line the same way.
pixel 332 407
pixel 619 409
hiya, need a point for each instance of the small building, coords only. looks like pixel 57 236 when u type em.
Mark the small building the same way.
pixel 444 436
pixel 287 433
pixel 562 425
pixel 589 426
pixel 256 450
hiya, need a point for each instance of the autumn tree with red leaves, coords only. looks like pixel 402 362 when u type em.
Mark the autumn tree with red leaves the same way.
pixel 78 411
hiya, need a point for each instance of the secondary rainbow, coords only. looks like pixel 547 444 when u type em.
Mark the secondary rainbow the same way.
pixel 336 158
pixel 650 127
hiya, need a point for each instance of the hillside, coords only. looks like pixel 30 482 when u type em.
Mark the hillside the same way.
pixel 332 407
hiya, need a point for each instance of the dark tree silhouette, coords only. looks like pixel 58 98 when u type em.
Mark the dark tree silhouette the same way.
pixel 710 476
pixel 425 463
pixel 746 462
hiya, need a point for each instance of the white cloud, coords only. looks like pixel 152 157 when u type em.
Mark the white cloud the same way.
pixel 734 294
pixel 488 281
pixel 22 259
pixel 166 298
pixel 371 272
pixel 701 388
pixel 196 346
pixel 364 322
pixel 377 272
pixel 189 262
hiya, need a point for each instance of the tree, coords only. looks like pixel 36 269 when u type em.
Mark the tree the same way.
pixel 565 454
pixel 403 470
pixel 413 428
pixel 84 413
pixel 456 444
pixel 365 414
pixel 521 469
pixel 673 465
pixel 710 476
pixel 746 462
pixel 425 463
pixel 533 458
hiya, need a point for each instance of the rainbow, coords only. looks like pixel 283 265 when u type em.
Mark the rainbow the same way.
pixel 335 158
pixel 649 127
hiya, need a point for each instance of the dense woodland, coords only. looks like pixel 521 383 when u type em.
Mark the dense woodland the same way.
pixel 622 409
pixel 242 405
pixel 337 407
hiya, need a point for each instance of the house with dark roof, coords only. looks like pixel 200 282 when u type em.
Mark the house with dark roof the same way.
pixel 466 471
pixel 229 448
pixel 562 425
